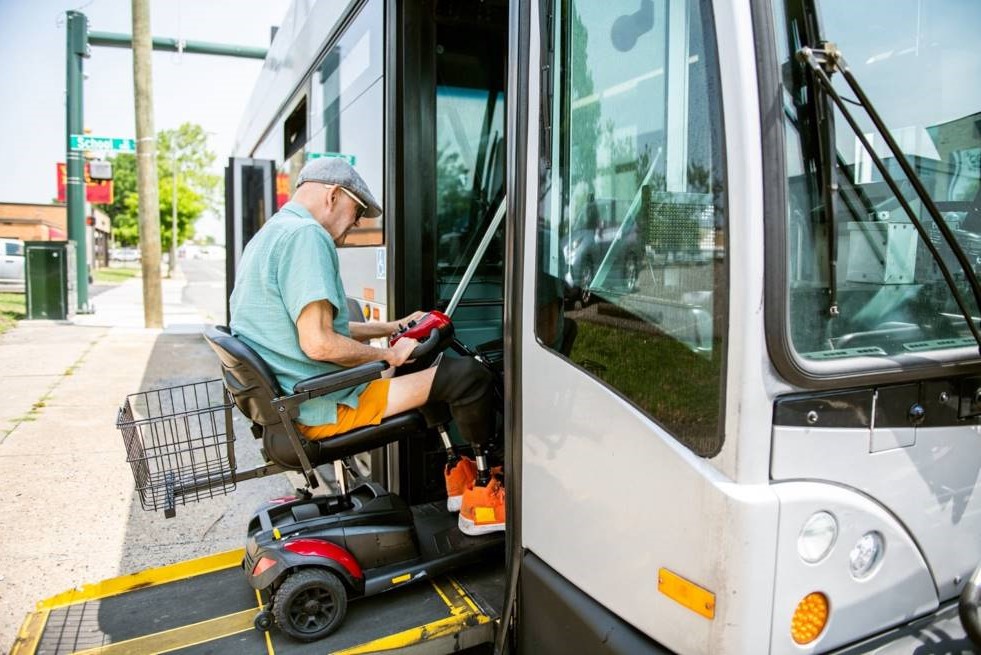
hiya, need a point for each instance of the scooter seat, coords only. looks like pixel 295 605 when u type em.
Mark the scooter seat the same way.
pixel 254 389
pixel 278 448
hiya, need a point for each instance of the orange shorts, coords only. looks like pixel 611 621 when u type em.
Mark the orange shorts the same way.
pixel 371 407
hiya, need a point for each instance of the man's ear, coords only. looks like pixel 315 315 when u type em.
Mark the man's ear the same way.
pixel 335 193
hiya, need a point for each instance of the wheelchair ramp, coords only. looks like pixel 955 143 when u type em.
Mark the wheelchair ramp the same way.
pixel 206 606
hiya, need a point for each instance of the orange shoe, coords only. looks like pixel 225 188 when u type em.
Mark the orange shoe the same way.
pixel 482 511
pixel 458 478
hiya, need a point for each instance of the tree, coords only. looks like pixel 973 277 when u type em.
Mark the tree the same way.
pixel 584 121
pixel 198 189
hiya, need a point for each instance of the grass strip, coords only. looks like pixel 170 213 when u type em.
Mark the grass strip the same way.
pixel 12 309
pixel 114 275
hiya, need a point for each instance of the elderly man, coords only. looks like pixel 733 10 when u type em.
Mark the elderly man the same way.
pixel 289 305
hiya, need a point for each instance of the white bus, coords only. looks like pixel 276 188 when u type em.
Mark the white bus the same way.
pixel 741 390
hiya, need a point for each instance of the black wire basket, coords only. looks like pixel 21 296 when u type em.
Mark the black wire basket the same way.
pixel 180 444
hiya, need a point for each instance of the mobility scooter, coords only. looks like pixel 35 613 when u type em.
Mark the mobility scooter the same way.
pixel 312 553
pixel 308 553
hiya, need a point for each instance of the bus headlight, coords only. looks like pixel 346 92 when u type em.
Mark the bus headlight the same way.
pixel 865 554
pixel 817 537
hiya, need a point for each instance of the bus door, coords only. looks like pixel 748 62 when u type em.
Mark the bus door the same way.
pixel 616 385
pixel 249 203
pixel 450 171
pixel 454 163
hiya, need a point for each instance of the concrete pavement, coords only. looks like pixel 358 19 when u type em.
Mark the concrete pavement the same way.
pixel 68 512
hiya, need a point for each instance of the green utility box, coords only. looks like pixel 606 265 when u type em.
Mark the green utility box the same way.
pixel 49 271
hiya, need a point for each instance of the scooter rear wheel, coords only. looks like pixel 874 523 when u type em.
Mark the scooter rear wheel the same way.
pixel 310 604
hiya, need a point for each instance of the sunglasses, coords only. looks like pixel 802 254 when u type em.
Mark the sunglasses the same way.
pixel 362 207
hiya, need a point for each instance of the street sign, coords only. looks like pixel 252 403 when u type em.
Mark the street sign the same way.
pixel 351 159
pixel 102 143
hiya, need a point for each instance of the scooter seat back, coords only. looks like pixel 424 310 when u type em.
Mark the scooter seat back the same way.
pixel 247 377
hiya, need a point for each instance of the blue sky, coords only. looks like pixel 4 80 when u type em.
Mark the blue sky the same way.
pixel 201 89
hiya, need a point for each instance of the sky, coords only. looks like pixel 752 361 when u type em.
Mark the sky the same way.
pixel 203 89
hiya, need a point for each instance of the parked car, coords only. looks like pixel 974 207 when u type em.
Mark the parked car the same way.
pixel 125 254
pixel 595 228
pixel 12 263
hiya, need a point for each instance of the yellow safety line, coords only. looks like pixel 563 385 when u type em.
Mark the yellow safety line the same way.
pixel 464 595
pixel 460 615
pixel 449 603
pixel 30 633
pixel 145 578
pixel 269 644
pixel 444 627
pixel 176 638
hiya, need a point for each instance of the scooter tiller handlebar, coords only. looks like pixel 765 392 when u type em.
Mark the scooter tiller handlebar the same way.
pixel 426 346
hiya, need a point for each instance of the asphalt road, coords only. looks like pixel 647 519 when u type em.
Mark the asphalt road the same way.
pixel 205 288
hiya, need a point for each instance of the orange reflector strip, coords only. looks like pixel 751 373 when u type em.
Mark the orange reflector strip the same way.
pixel 809 618
pixel 686 593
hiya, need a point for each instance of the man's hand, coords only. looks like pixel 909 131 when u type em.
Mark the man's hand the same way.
pixel 375 329
pixel 399 353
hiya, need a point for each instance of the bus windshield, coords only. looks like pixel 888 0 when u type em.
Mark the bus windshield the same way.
pixel 916 62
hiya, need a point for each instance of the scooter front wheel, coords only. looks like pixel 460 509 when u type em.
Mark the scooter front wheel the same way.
pixel 310 604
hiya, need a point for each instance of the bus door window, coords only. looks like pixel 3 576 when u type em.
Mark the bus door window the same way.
pixel 632 269
pixel 470 104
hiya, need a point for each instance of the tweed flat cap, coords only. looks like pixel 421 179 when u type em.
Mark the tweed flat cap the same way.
pixel 336 170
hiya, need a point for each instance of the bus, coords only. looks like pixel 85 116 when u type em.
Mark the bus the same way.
pixel 736 288
pixel 725 253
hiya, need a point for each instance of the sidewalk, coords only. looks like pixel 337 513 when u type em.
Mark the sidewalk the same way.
pixel 69 514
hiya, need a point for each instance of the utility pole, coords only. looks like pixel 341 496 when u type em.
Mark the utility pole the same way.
pixel 79 40
pixel 146 165
pixel 173 210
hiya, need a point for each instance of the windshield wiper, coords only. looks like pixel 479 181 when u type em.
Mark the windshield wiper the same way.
pixel 824 61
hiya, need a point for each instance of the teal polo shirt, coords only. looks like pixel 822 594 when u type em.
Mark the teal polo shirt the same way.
pixel 290 263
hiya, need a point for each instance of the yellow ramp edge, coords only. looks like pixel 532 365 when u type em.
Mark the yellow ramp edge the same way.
pixel 30 633
pixel 463 612
pixel 31 630
pixel 145 578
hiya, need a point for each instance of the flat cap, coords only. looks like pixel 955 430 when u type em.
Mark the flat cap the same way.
pixel 336 170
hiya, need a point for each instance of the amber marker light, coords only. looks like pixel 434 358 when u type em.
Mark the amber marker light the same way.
pixel 686 593
pixel 810 617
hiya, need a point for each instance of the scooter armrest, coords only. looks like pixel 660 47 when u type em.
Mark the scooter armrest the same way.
pixel 350 377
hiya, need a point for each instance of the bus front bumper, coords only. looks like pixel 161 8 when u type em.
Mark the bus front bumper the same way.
pixel 940 632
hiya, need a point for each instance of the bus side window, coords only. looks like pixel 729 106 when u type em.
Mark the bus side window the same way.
pixel 631 249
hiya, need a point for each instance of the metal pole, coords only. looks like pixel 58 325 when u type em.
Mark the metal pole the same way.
pixel 173 211
pixel 77 48
pixel 168 44
pixel 146 166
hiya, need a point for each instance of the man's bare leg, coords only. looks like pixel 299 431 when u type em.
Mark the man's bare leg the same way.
pixel 409 391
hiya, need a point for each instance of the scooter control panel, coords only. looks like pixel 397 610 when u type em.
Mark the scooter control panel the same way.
pixel 421 328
